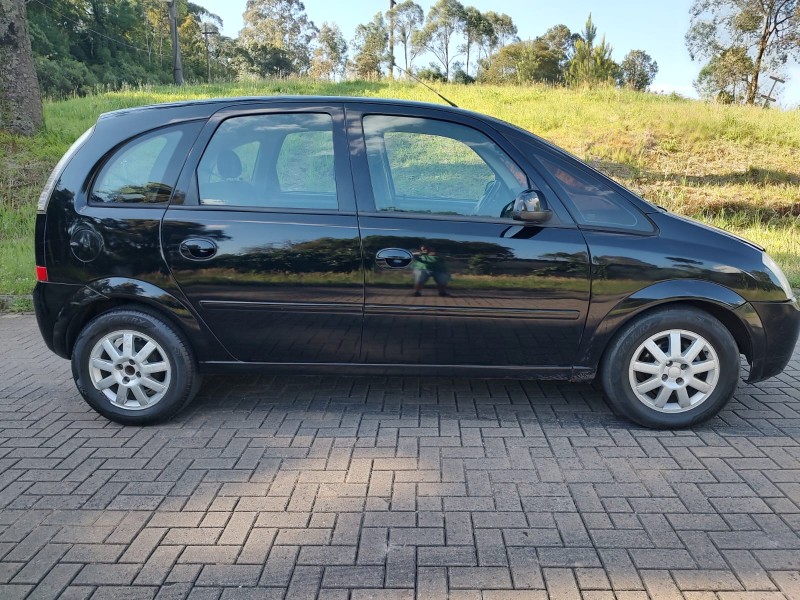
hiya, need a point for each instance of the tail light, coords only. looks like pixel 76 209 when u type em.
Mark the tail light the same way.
pixel 41 273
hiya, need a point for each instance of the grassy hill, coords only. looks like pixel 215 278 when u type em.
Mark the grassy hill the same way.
pixel 734 167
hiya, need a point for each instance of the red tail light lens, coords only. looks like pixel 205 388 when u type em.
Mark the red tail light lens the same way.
pixel 41 273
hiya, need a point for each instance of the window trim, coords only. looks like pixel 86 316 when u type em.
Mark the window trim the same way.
pixel 187 195
pixel 386 163
pixel 355 112
pixel 585 170
pixel 261 157
pixel 191 127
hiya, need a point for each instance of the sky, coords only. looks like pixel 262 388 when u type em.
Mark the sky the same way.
pixel 655 26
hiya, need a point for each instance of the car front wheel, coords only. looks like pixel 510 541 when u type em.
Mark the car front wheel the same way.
pixel 133 368
pixel 671 368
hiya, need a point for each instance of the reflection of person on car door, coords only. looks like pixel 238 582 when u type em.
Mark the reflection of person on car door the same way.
pixel 428 264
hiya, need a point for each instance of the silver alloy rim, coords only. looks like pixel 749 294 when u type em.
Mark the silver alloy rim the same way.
pixel 130 368
pixel 674 371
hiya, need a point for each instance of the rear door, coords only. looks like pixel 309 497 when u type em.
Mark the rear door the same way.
pixel 265 242
pixel 451 279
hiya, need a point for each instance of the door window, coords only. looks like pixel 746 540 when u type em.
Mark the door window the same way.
pixel 427 166
pixel 270 161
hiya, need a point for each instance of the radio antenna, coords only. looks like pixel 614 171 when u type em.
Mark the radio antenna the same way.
pixel 423 84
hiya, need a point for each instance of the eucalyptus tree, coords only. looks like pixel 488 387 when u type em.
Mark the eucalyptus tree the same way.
pixel 767 30
pixel 408 18
pixel 369 46
pixel 280 31
pixel 444 22
pixel 329 57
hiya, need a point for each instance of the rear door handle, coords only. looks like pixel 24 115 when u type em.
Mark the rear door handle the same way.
pixel 198 248
pixel 394 258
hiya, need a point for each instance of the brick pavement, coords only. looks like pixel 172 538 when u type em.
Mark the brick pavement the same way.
pixel 384 487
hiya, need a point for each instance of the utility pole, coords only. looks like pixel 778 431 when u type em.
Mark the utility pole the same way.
pixel 206 32
pixel 177 64
pixel 391 38
pixel 768 97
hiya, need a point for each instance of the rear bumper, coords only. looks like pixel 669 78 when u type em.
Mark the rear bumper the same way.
pixel 52 303
pixel 781 325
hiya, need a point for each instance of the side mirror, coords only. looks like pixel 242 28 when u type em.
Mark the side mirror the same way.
pixel 530 206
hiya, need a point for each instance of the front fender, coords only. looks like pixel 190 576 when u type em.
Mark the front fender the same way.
pixel 606 317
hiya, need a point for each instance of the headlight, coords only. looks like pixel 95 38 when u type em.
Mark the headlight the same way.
pixel 777 275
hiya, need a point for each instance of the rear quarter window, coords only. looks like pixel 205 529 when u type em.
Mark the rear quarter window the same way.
pixel 144 170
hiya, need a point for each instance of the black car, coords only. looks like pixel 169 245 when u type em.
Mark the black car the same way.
pixel 380 236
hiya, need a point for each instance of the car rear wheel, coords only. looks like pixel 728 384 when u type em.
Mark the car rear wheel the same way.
pixel 133 368
pixel 671 368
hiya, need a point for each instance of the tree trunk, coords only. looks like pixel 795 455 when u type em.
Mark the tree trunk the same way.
pixel 391 38
pixel 752 88
pixel 20 98
pixel 177 63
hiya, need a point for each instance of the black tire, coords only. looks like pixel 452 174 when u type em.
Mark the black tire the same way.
pixel 181 379
pixel 616 377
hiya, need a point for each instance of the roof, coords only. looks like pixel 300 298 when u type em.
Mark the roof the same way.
pixel 213 103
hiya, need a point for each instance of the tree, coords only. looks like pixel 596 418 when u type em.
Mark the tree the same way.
pixel 638 70
pixel 282 28
pixel 768 31
pixel 445 20
pixel 503 29
pixel 408 18
pixel 330 53
pixel 724 78
pixel 370 44
pixel 476 28
pixel 592 63
pixel 561 42
pixel 522 62
pixel 20 98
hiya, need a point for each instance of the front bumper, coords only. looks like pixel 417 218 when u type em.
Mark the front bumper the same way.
pixel 781 325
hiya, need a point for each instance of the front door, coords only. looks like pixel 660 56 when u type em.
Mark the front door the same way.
pixel 451 279
pixel 265 244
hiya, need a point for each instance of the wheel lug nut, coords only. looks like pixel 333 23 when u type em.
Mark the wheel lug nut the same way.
pixel 663 378
pixel 680 381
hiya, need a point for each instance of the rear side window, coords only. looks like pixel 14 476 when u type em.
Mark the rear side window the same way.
pixel 144 170
pixel 596 203
pixel 270 161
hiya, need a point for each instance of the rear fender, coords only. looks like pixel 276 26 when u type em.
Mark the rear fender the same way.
pixel 105 294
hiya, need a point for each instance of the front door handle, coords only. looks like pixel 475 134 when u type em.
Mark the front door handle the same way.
pixel 198 248
pixel 394 258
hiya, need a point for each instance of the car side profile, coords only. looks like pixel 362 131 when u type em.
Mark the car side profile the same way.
pixel 382 236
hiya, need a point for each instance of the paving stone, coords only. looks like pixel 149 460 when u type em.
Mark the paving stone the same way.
pixel 347 488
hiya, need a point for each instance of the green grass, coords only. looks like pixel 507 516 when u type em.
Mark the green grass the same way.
pixel 735 167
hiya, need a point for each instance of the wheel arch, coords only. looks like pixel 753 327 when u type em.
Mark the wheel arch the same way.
pixel 108 294
pixel 722 303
